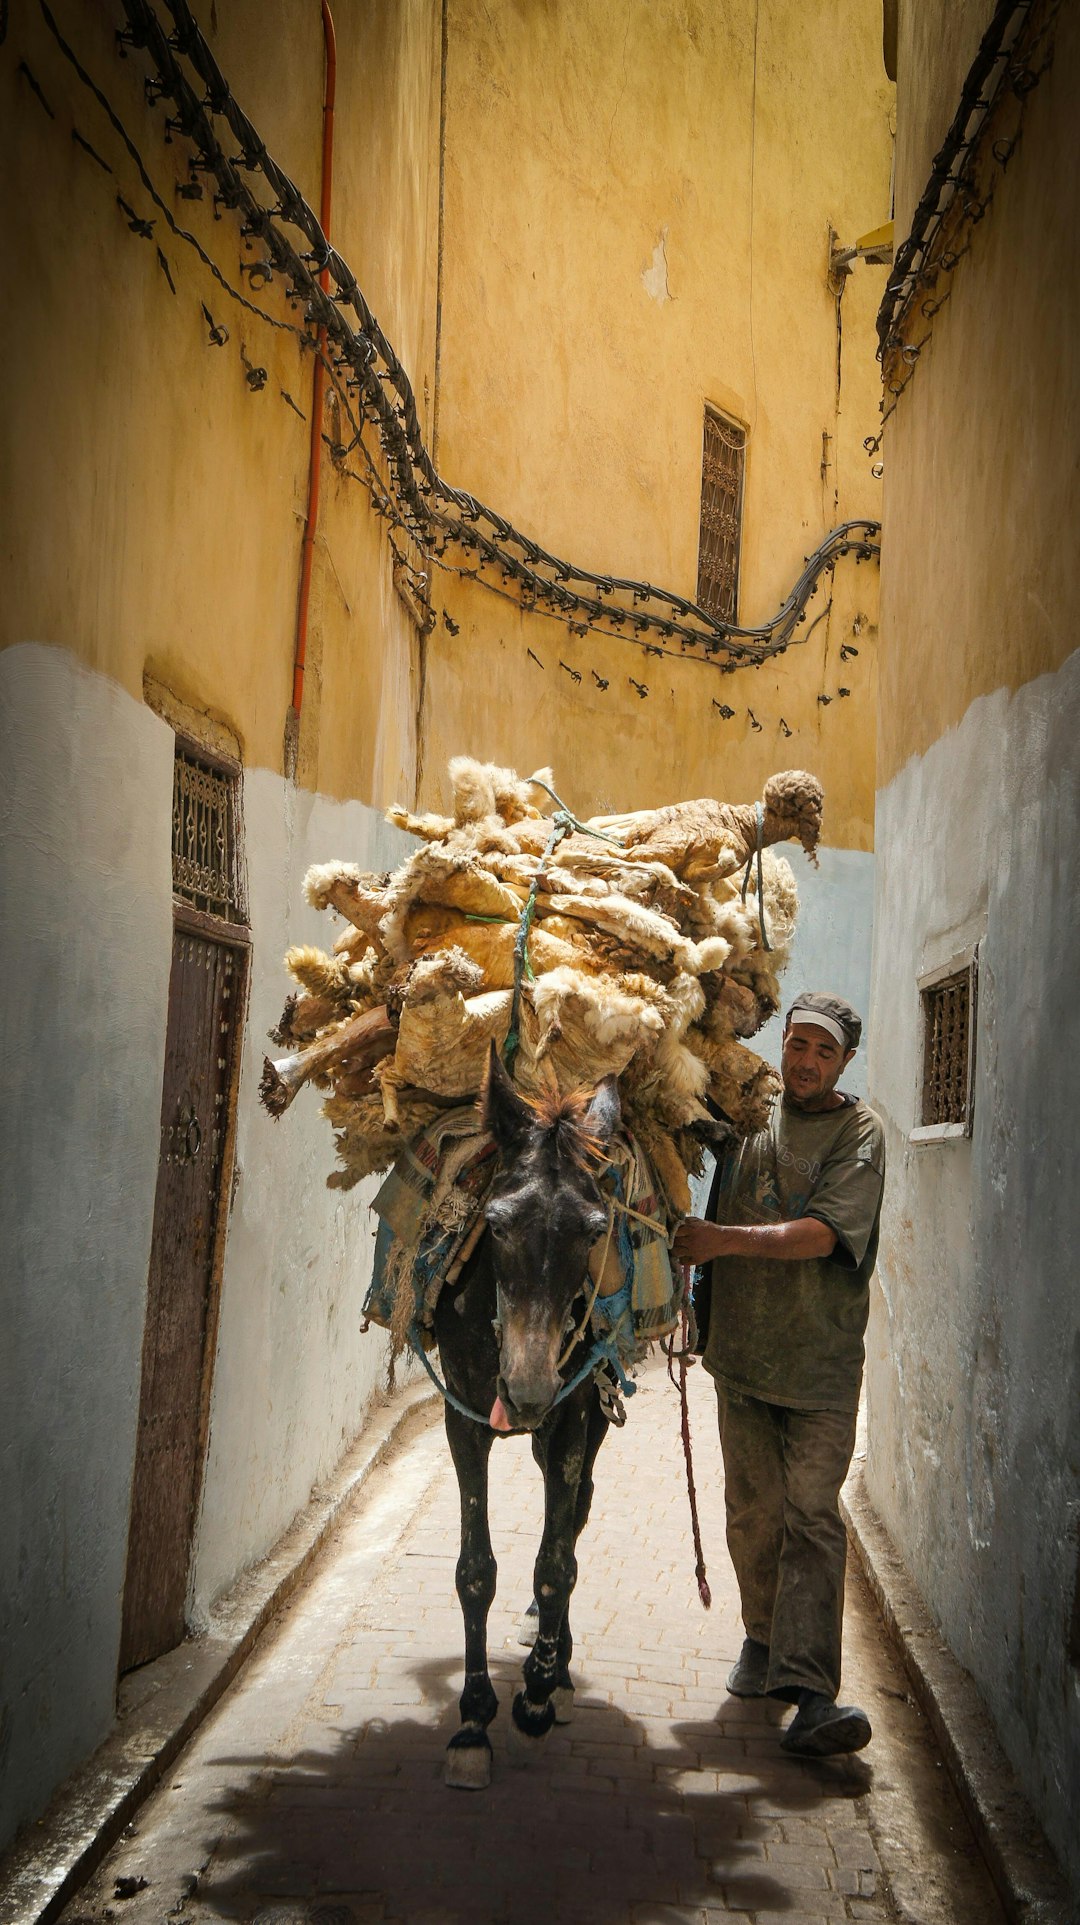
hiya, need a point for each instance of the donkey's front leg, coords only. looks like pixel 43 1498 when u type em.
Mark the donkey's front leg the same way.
pixel 555 1574
pixel 597 1429
pixel 468 1755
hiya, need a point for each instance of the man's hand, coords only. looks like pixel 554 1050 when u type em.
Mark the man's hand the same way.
pixel 804 1237
pixel 698 1242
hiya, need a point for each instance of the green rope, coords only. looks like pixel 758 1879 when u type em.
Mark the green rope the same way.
pixel 563 823
pixel 580 828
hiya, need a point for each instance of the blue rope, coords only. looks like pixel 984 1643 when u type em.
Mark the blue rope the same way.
pixel 603 1351
pixel 447 1395
pixel 612 1309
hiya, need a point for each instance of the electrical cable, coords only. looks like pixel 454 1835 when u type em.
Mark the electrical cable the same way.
pixel 431 510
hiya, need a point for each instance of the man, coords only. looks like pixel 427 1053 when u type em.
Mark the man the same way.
pixel 792 1237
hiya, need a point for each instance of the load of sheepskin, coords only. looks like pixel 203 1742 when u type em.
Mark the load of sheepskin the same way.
pixel 647 955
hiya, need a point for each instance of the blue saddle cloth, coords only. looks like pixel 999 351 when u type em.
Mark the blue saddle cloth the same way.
pixel 424 1221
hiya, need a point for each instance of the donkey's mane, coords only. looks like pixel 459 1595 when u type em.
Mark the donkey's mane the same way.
pixel 563 1119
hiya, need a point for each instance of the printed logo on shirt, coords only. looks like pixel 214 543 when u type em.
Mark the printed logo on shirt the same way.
pixel 803 1165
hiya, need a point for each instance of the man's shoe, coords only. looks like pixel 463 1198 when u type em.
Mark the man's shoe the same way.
pixel 749 1674
pixel 821 1728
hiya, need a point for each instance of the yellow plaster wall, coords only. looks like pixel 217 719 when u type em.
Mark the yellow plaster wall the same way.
pixel 152 505
pixel 153 513
pixel 579 142
pixel 980 579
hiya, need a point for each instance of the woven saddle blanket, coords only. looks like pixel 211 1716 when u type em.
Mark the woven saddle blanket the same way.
pixel 429 1207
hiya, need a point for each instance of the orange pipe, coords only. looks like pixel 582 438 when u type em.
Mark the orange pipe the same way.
pixel 319 380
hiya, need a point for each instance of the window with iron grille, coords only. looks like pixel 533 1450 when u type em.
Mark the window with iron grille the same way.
pixel 207 836
pixel 948 1013
pixel 723 462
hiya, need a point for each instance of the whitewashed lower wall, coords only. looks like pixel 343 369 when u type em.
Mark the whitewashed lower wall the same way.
pixel 85 951
pixel 973 1356
pixel 293 1375
pixel 85 804
pixel 831 950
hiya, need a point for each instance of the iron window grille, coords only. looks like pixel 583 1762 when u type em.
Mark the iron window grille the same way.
pixel 207 835
pixel 723 465
pixel 949 1003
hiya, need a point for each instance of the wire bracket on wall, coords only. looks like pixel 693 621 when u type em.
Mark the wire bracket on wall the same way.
pixel 219 333
pixel 143 228
pixel 35 87
pixel 87 149
pixel 255 376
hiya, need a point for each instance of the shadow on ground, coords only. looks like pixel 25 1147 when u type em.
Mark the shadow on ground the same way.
pixel 615 1819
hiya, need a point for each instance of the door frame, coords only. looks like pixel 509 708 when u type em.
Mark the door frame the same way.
pixel 236 935
pixel 196 922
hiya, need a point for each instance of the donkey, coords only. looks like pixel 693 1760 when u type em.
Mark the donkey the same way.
pixel 503 1329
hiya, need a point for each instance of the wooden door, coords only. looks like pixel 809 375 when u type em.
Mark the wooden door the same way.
pixel 205 1012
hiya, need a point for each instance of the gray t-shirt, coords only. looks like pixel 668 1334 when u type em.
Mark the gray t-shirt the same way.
pixel 791 1332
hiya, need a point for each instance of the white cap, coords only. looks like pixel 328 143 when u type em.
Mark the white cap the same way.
pixel 800 1015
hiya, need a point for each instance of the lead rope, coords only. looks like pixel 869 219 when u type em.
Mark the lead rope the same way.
pixel 680 1358
pixel 759 813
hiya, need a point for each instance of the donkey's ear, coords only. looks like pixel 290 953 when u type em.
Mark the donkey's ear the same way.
pixel 502 1110
pixel 604 1114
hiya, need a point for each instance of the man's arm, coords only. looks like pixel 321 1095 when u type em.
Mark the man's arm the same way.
pixel 697 1241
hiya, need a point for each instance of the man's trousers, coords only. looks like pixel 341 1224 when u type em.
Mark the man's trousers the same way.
pixel 783 1470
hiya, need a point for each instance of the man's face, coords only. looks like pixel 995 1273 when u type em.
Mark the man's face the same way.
pixel 811 1065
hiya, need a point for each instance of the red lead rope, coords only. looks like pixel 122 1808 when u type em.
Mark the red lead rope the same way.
pixel 680 1358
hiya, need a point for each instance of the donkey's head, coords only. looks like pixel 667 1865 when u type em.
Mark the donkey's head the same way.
pixel 545 1212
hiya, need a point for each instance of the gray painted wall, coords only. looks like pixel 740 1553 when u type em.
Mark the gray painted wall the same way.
pixel 293 1376
pixel 85 902
pixel 86 794
pixel 831 950
pixel 974 1344
pixel 833 939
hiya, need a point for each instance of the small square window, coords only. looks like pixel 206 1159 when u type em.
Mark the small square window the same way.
pixel 723 462
pixel 948 1015
pixel 207 835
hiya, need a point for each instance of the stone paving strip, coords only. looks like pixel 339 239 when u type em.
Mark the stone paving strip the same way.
pixel 313 1794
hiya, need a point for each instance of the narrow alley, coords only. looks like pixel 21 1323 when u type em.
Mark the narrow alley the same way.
pixel 539 702
pixel 307 1792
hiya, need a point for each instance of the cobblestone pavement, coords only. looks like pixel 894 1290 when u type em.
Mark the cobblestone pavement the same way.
pixel 314 1791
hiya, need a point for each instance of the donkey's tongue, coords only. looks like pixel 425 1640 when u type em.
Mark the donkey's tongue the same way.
pixel 499 1419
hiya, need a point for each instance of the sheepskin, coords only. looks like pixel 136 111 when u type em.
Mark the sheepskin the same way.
pixel 644 962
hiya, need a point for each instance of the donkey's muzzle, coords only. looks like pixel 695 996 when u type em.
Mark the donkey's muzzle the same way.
pixel 527 1401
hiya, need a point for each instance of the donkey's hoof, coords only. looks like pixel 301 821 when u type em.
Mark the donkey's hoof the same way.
pixel 468 1762
pixel 563 1699
pixel 529 1625
pixel 529 1726
pixel 521 1749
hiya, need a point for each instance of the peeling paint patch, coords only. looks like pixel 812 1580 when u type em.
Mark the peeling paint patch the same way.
pixel 654 278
